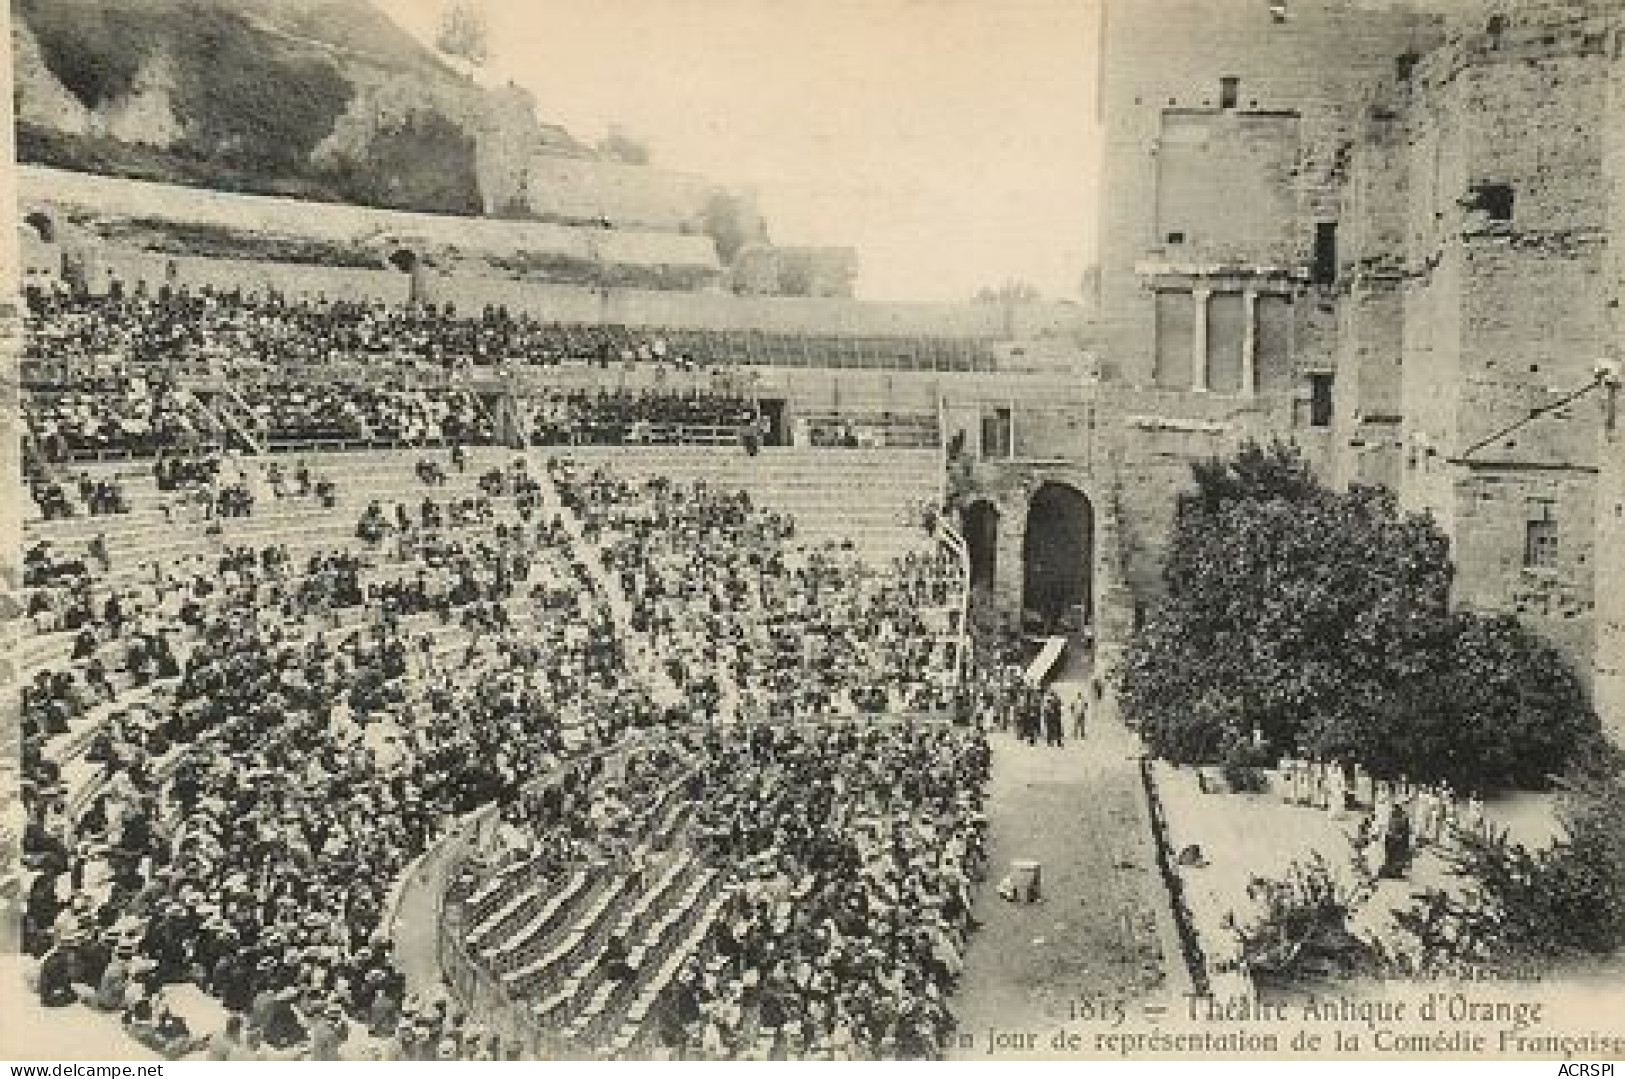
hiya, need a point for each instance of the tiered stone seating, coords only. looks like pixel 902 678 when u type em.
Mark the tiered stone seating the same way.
pixel 634 1027
pixel 540 937
pixel 599 1002
pixel 144 537
pixel 871 498
pixel 148 534
pixel 524 944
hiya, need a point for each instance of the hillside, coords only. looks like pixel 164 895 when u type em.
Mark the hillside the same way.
pixel 320 99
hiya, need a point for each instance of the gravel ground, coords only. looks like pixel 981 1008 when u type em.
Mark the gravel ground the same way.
pixel 1097 938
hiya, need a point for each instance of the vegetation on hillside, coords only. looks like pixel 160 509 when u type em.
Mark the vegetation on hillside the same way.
pixel 1318 622
pixel 423 162
pixel 251 105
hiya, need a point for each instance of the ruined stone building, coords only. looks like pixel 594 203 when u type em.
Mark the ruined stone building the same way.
pixel 1391 233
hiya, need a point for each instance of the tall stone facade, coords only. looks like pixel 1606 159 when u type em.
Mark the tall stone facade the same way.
pixel 1391 233
pixel 1228 127
pixel 1505 299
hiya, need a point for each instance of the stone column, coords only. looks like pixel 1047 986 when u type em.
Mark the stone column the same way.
pixel 1009 571
pixel 1199 339
pixel 1249 343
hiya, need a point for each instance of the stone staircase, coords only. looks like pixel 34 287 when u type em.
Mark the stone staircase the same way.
pixel 639 656
pixel 542 938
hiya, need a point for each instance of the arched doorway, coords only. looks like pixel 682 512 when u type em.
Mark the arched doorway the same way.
pixel 979 524
pixel 1057 558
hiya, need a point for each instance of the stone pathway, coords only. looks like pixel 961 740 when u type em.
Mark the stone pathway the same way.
pixel 1101 935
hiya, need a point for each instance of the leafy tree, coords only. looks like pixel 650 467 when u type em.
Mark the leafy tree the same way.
pixel 424 161
pixel 247 105
pixel 732 221
pixel 1319 621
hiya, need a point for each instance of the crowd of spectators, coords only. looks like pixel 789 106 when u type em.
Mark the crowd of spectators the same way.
pixel 59 498
pixel 617 417
pixel 109 363
pixel 247 821
pixel 144 326
pixel 756 624
pixel 411 417
pixel 855 851
pixel 148 326
pixel 127 414
pixel 263 769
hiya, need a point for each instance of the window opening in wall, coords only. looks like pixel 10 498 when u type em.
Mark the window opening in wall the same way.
pixel 1320 399
pixel 1540 543
pixel 1404 64
pixel 1229 92
pixel 1493 199
pixel 1176 238
pixel 1278 10
pixel 996 434
pixel 1324 271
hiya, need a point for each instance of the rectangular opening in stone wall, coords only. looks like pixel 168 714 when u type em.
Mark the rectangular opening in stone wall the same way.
pixel 1320 398
pixel 1175 238
pixel 1229 92
pixel 1226 328
pixel 1493 200
pixel 1274 356
pixel 1324 269
pixel 1540 544
pixel 996 433
pixel 1175 322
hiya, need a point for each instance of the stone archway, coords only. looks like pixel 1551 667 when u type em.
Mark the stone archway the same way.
pixel 979 524
pixel 1057 558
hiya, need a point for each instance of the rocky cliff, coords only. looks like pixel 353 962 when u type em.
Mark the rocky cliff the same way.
pixel 322 99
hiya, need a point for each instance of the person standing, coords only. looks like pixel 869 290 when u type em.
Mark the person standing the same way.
pixel 1053 728
pixel 1396 842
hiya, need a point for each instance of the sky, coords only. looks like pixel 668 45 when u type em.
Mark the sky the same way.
pixel 952 142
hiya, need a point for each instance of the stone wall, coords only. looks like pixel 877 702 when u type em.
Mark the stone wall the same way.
pixel 12 600
pixel 1506 301
pixel 357 228
pixel 1490 545
pixel 1415 198
pixel 1608 688
pixel 1608 658
pixel 576 188
pixel 1285 135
